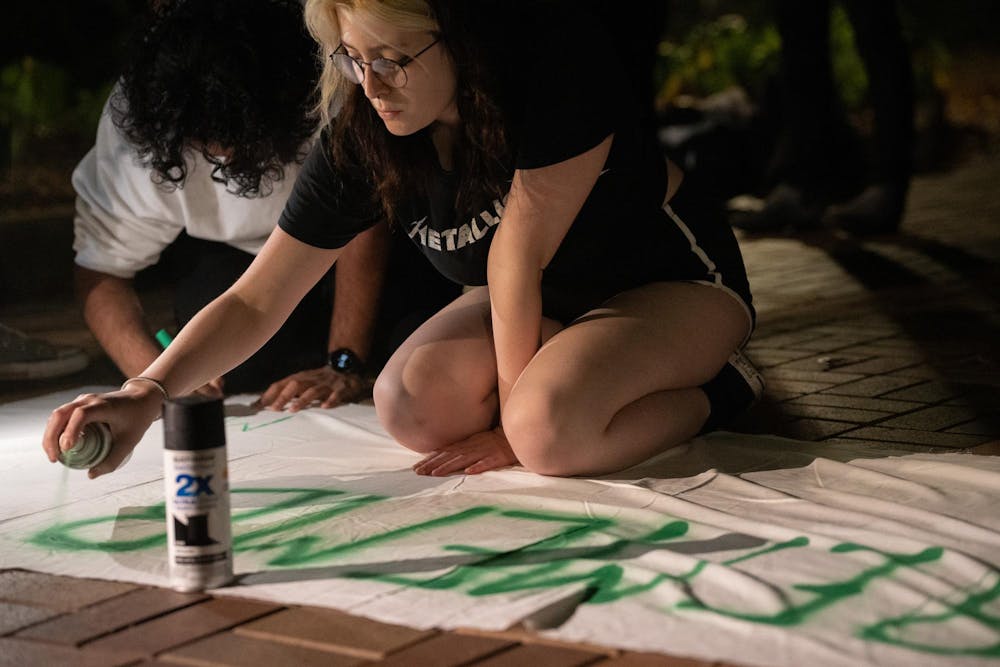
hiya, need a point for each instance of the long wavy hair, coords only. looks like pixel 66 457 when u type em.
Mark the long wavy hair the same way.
pixel 398 166
pixel 232 75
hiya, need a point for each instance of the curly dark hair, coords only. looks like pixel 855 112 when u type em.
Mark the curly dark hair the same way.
pixel 398 166
pixel 205 75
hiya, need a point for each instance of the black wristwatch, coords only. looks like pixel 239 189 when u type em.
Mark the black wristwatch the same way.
pixel 344 360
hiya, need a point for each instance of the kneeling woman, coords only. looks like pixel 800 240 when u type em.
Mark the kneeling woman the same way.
pixel 500 137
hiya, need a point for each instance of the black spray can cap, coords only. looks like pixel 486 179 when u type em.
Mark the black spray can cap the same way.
pixel 193 422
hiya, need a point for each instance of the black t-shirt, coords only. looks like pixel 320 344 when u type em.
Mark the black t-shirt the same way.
pixel 562 91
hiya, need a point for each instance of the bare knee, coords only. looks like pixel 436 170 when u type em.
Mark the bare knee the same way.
pixel 545 433
pixel 404 413
pixel 423 407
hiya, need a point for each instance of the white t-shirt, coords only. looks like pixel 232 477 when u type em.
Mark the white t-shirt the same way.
pixel 124 220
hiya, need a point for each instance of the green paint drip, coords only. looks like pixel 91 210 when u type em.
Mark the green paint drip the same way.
pixel 971 606
pixel 826 594
pixel 695 571
pixel 469 549
pixel 781 546
pixel 248 427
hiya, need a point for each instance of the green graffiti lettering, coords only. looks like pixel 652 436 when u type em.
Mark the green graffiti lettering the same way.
pixel 826 594
pixel 578 552
pixel 605 582
pixel 971 607
pixel 300 551
pixel 61 537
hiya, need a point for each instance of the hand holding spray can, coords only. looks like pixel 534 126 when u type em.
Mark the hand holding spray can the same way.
pixel 196 478
pixel 92 446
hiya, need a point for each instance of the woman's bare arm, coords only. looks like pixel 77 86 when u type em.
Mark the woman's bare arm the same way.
pixel 541 207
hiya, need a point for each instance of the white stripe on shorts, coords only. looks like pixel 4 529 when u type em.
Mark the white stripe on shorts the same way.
pixel 710 267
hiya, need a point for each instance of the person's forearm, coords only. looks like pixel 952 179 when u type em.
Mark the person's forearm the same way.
pixel 516 304
pixel 221 336
pixel 358 289
pixel 114 314
pixel 235 325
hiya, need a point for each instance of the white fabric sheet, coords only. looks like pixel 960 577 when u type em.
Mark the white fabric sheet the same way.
pixel 741 548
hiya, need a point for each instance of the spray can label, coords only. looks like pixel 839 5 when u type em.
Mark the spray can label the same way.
pixel 199 539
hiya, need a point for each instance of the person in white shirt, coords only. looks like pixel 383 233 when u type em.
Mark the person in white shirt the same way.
pixel 197 151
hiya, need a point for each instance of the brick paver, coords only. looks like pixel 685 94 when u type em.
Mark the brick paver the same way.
pixel 35 589
pixel 880 365
pixel 540 654
pixel 851 415
pixel 331 630
pixel 519 634
pixel 812 429
pixel 828 378
pixel 23 652
pixel 857 403
pixel 913 436
pixel 872 386
pixel 652 660
pixel 929 392
pixel 765 357
pixel 447 650
pixel 227 649
pixel 13 616
pixel 181 627
pixel 935 418
pixel 985 426
pixel 111 615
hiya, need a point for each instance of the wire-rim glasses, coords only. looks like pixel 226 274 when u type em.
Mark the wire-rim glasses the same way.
pixel 390 72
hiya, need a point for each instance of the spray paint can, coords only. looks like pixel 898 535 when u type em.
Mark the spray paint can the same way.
pixel 90 448
pixel 196 479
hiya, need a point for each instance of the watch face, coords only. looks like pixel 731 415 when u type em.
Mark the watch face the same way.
pixel 345 361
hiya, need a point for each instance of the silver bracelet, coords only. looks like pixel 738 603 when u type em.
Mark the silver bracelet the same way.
pixel 154 382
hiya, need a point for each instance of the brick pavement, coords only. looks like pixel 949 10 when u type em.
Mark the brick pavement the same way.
pixel 891 343
pixel 888 340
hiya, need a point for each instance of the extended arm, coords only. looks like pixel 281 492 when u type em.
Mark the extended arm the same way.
pixel 114 314
pixel 219 337
pixel 358 289
pixel 236 324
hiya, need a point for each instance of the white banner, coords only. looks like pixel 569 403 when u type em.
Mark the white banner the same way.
pixel 804 561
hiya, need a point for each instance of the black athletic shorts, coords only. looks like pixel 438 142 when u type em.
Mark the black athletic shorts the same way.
pixel 707 254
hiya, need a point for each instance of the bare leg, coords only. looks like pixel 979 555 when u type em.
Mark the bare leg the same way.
pixel 621 383
pixel 440 386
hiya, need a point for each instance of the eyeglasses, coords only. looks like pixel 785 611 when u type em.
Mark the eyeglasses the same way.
pixel 390 72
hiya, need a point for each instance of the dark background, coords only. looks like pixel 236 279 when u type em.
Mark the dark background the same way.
pixel 59 59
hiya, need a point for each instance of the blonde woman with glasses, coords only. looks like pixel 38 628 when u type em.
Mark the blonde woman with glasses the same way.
pixel 601 324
